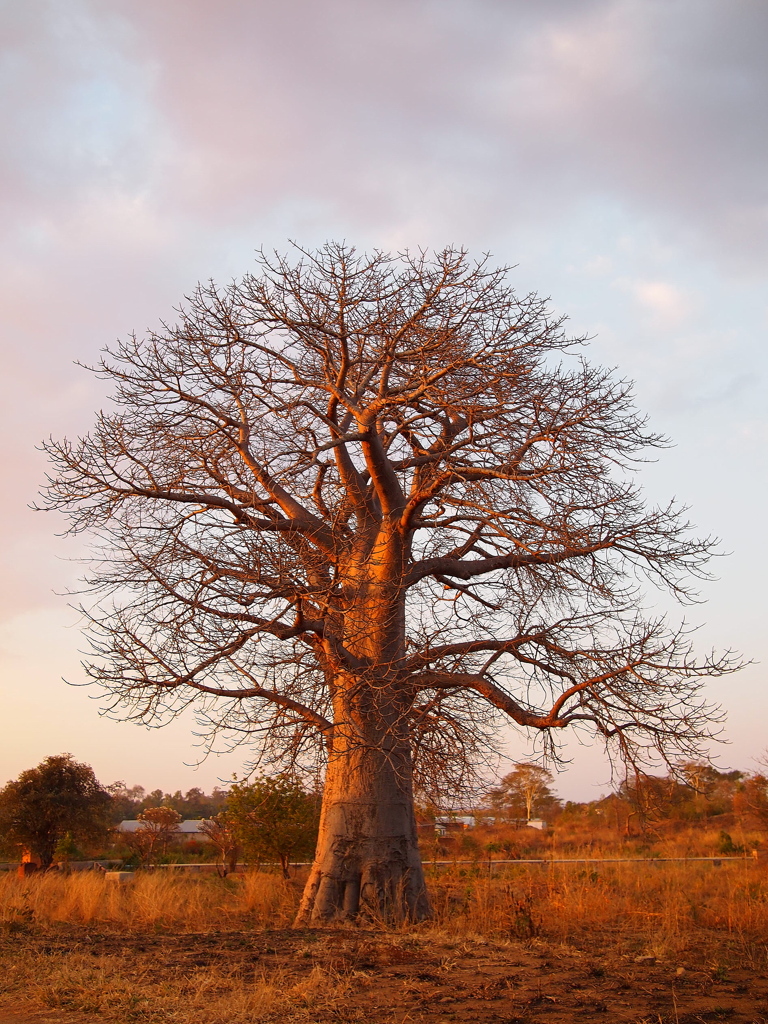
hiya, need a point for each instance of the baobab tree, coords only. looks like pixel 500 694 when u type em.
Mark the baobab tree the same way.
pixel 371 506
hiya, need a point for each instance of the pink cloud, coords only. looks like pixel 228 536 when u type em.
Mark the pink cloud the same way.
pixel 148 144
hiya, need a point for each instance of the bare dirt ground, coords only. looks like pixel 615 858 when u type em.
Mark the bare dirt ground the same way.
pixel 351 976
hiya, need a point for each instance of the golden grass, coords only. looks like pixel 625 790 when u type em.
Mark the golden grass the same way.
pixel 72 941
pixel 559 901
pixel 666 905
pixel 170 902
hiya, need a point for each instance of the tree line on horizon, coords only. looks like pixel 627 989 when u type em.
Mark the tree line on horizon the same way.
pixel 130 801
pixel 59 810
pixel 641 802
pixel 528 791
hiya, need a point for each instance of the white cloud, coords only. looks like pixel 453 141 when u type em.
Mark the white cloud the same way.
pixel 669 304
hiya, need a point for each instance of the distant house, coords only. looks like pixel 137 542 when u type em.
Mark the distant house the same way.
pixel 454 823
pixel 459 822
pixel 189 827
pixel 451 824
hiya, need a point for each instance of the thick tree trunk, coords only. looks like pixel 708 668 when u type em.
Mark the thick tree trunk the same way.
pixel 367 863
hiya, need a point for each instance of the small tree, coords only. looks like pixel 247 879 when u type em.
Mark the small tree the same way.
pixel 523 789
pixel 697 775
pixel 60 797
pixel 66 850
pixel 274 819
pixel 652 798
pixel 159 825
pixel 752 798
pixel 222 833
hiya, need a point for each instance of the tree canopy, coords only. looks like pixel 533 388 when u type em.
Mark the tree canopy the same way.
pixel 158 827
pixel 525 789
pixel 364 508
pixel 60 797
pixel 273 819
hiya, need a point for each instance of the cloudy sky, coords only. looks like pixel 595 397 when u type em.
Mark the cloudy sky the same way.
pixel 614 151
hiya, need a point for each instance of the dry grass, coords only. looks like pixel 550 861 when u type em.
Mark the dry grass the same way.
pixel 174 948
pixel 664 906
pixel 154 900
pixel 562 902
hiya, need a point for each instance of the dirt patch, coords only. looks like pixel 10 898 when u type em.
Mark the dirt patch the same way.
pixel 356 976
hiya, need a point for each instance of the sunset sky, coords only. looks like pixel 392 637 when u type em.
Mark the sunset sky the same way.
pixel 614 151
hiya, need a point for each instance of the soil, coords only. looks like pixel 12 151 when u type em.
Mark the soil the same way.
pixel 385 978
pixel 399 978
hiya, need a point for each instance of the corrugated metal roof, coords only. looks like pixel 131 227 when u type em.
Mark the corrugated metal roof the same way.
pixel 190 826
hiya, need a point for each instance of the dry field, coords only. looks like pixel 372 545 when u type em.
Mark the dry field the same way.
pixel 655 943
